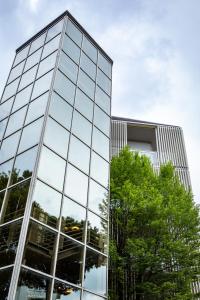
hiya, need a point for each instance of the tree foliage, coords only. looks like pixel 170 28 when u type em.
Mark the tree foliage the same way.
pixel 155 242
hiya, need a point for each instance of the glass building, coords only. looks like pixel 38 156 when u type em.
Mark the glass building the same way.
pixel 54 167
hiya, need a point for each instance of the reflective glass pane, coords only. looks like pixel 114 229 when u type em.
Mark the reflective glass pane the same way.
pixel 89 296
pixel 37 43
pixel 46 204
pixel 62 291
pixel 16 71
pixel 100 143
pixel 69 261
pixel 73 219
pixel 68 67
pixel 105 65
pixel 27 77
pixel 10 89
pixel 33 59
pixel 15 202
pixel 42 85
pixel 36 108
pixel 30 135
pixel 86 84
pixel 51 46
pixel 2 127
pixel 81 128
pixel 98 199
pixel 76 178
pixel 8 243
pixel 61 111
pixel 33 286
pixel 47 64
pixel 16 121
pixel 5 278
pixel 1 199
pixel 21 55
pixel 95 272
pixel 84 105
pixel 99 169
pixel 22 97
pixel 5 108
pixel 64 87
pixel 54 30
pixel 71 49
pixel 51 168
pixel 90 49
pixel 88 66
pixel 103 100
pixel 104 82
pixel 79 154
pixel 56 137
pixel 101 120
pixel 74 33
pixel 5 170
pixel 9 146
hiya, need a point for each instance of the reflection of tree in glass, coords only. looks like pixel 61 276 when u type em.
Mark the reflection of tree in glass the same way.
pixel 5 276
pixel 4 180
pixel 16 175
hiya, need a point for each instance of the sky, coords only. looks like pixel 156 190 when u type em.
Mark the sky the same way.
pixel 155 47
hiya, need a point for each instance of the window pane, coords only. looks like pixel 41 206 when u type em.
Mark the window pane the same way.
pixel 30 135
pixel 84 105
pixel 37 43
pixel 2 127
pixel 36 108
pixel 98 199
pixel 100 143
pixel 68 67
pixel 10 89
pixel 102 100
pixel 82 128
pixel 86 84
pixel 99 169
pixel 16 121
pixel 104 82
pixel 71 49
pixel 33 59
pixel 76 178
pixel 89 296
pixel 1 199
pixel 22 97
pixel 89 49
pixel 27 77
pixel 8 243
pixel 69 262
pixel 5 170
pixel 5 278
pixel 56 137
pixel 64 87
pixel 74 33
pixel 61 111
pixel 9 147
pixel 42 85
pixel 15 202
pixel 62 290
pixel 79 154
pixel 105 65
pixel 51 46
pixel 54 30
pixel 51 168
pixel 5 108
pixel 88 66
pixel 47 64
pixel 16 71
pixel 73 219
pixel 101 120
pixel 21 55
pixel 46 204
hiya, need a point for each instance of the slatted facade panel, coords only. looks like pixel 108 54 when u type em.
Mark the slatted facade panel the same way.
pixel 118 136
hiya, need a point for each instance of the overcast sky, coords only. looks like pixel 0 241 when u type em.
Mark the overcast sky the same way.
pixel 155 46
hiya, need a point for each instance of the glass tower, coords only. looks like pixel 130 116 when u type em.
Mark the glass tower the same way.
pixel 54 167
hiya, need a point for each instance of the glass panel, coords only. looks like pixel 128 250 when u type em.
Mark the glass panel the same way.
pixel 102 100
pixel 100 143
pixel 89 49
pixel 5 278
pixel 64 87
pixel 47 64
pixel 98 199
pixel 105 65
pixel 22 97
pixel 68 67
pixel 74 33
pixel 84 105
pixel 9 147
pixel 10 89
pixel 97 233
pixel 42 85
pixel 69 261
pixel 54 30
pixel 36 108
pixel 51 168
pixel 88 66
pixel 104 82
pixel 71 49
pixel 101 120
pixel 21 55
pixel 51 46
pixel 56 137
pixel 76 178
pixel 1 199
pixel 16 71
pixel 5 108
pixel 33 59
pixel 9 242
pixel 15 202
pixel 3 127
pixel 73 219
pixel 27 77
pixel 95 272
pixel 82 128
pixel 30 135
pixel 40 247
pixel 99 169
pixel 62 290
pixel 23 166
pixel 86 84
pixel 5 170
pixel 46 204
pixel 37 43
pixel 79 154
pixel 61 111
pixel 89 296
pixel 16 121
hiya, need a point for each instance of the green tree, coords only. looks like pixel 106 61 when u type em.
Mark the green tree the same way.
pixel 155 224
